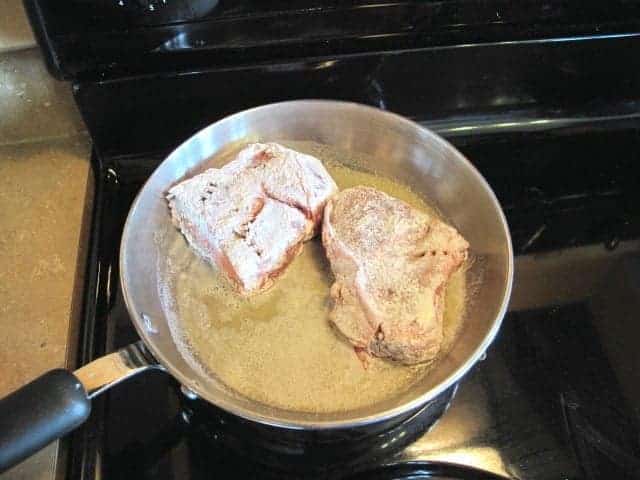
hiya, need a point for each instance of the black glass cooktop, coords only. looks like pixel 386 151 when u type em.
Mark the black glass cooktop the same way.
pixel 557 395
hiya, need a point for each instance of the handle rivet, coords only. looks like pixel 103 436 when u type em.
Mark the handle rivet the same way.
pixel 187 392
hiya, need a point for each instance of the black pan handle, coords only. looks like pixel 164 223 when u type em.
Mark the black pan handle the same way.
pixel 45 409
pixel 59 401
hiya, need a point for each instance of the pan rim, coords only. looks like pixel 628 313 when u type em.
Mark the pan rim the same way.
pixel 320 424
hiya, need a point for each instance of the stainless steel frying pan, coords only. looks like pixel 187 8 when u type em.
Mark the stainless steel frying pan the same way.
pixel 59 401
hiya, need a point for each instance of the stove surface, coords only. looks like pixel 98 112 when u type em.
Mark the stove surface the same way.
pixel 556 396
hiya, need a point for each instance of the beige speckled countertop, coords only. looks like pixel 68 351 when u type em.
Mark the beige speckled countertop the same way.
pixel 15 32
pixel 45 193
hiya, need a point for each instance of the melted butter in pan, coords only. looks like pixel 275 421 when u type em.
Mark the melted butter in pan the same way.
pixel 278 347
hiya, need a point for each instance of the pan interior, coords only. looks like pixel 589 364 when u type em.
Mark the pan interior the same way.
pixel 278 347
pixel 390 146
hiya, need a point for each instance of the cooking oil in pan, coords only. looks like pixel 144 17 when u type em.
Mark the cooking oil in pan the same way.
pixel 278 347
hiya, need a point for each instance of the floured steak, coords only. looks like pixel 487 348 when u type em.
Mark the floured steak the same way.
pixel 251 217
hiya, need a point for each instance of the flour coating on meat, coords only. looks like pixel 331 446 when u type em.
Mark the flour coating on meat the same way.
pixel 391 263
pixel 251 217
